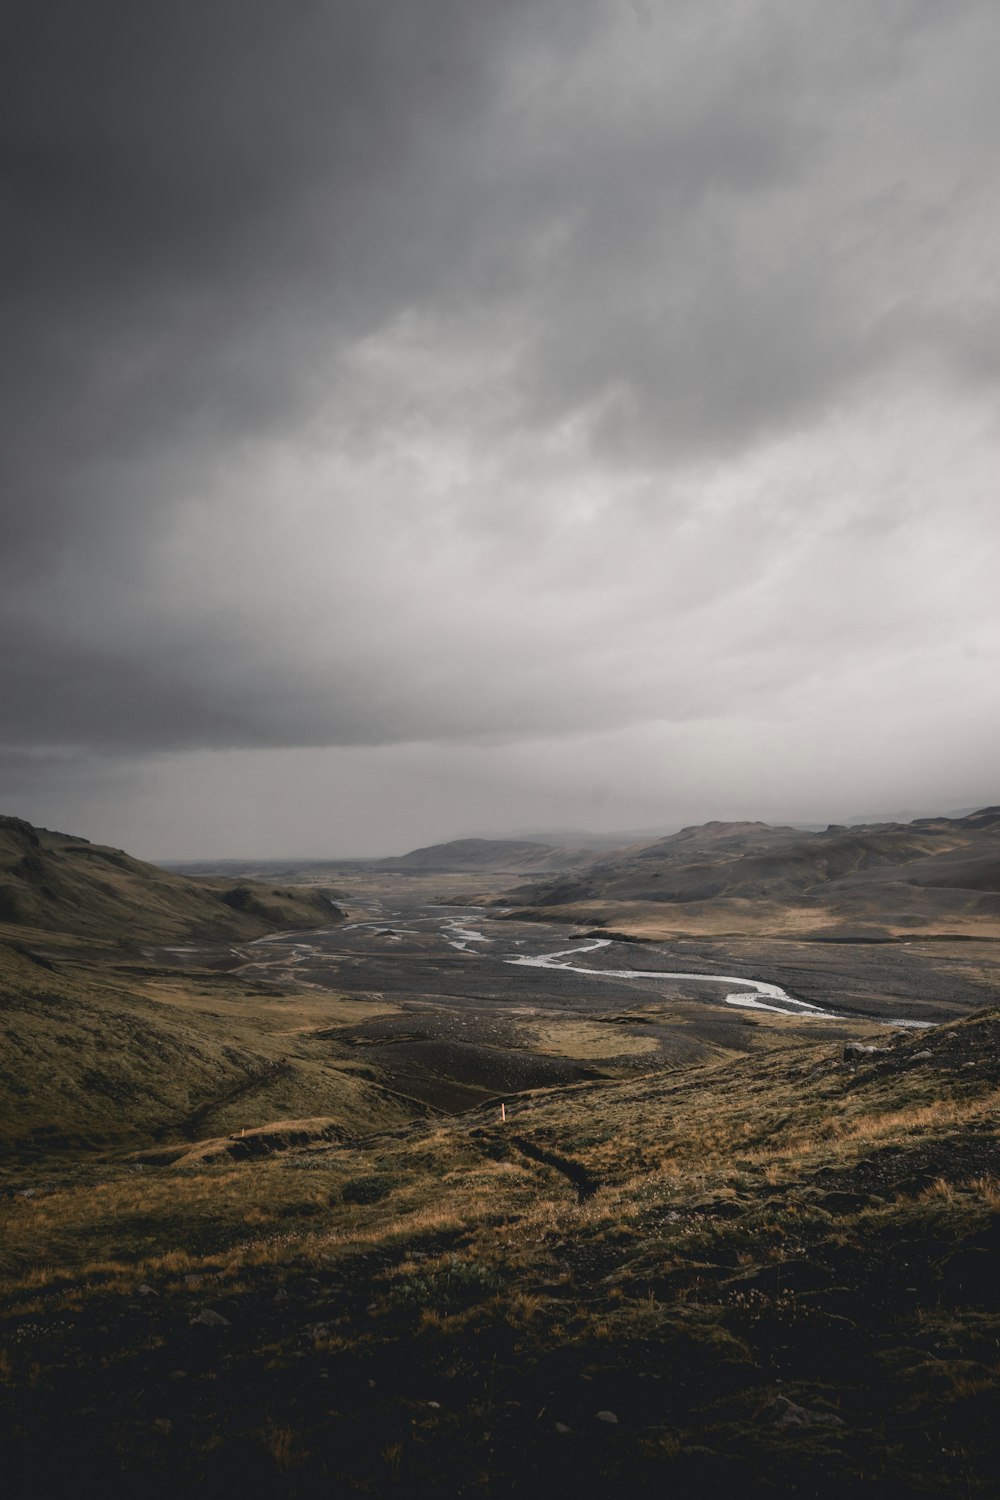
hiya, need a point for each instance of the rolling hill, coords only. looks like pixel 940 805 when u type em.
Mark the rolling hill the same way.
pixel 486 856
pixel 110 1036
pixel 57 882
pixel 894 877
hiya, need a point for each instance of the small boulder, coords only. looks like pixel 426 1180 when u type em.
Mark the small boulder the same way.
pixel 208 1318
pixel 784 1413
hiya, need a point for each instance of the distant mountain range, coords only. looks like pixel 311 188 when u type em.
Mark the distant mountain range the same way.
pixel 495 856
pixel 898 874
pixel 893 876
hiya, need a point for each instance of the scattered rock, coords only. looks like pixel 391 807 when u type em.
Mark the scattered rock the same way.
pixel 561 1427
pixel 146 1291
pixel 921 1056
pixel 607 1416
pixel 163 1426
pixel 794 1276
pixel 785 1413
pixel 208 1318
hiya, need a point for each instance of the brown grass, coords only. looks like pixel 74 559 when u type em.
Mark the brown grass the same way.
pixel 445 1248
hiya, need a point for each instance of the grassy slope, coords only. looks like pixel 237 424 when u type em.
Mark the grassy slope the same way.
pixel 775 1274
pixel 98 1051
pixel 58 883
pixel 103 1044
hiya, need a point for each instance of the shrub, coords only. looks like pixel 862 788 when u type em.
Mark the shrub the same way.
pixel 370 1189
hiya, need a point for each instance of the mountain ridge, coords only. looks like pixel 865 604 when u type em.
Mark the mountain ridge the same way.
pixel 58 882
pixel 475 854
pixel 893 873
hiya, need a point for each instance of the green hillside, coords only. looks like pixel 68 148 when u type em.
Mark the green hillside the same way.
pixel 59 883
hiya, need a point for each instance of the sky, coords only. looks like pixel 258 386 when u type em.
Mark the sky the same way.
pixel 440 417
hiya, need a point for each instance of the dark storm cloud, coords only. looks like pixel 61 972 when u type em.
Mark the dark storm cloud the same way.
pixel 189 189
pixel 397 371
pixel 202 201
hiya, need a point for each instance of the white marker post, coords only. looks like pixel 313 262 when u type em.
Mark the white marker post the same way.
pixel 503 1114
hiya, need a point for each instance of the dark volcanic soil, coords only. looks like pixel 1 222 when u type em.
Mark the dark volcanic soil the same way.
pixel 415 951
pixel 468 1024
pixel 925 980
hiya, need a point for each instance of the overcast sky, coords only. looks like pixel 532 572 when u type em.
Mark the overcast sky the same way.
pixel 430 417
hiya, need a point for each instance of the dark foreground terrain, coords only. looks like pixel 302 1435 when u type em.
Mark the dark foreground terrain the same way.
pixel 267 1231
pixel 777 1274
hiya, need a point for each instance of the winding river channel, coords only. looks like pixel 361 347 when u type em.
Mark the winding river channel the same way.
pixel 751 994
pixel 424 954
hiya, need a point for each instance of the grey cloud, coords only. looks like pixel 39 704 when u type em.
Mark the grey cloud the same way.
pixel 752 281
pixel 514 284
pixel 198 196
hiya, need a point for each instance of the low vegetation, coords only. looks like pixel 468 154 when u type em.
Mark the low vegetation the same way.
pixel 235 1261
pixel 105 1050
pixel 775 1273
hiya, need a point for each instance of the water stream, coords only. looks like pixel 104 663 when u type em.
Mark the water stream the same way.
pixel 748 995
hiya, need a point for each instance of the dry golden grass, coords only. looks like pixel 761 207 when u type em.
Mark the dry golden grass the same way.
pixel 281 1443
pixel 657 921
pixel 717 1131
pixel 590 1040
pixel 455 1270
pixel 738 917
pixel 292 1012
